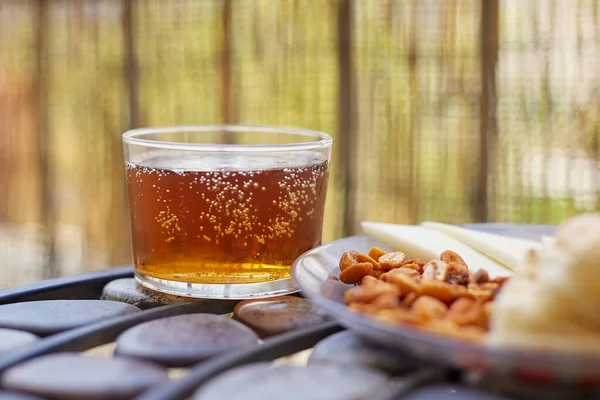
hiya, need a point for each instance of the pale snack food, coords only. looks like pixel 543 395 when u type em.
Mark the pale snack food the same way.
pixel 506 250
pixel 425 243
pixel 553 301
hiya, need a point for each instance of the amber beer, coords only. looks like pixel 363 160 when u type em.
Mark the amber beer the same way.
pixel 225 219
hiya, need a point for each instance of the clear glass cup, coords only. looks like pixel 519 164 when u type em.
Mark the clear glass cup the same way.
pixel 223 211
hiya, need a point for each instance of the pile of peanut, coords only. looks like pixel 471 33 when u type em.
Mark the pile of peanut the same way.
pixel 438 296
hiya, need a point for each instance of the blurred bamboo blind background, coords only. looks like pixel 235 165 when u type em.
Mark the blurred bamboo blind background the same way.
pixel 458 111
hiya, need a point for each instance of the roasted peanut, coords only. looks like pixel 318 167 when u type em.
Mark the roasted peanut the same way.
pixel 351 258
pixel 481 276
pixel 410 298
pixel 477 316
pixel 347 260
pixel 440 326
pixel 370 281
pixel 449 256
pixel 413 266
pixel 420 263
pixel 440 290
pixel 455 273
pixel 459 308
pixel 483 291
pixel 356 272
pixel 360 257
pixel 400 279
pixel 468 312
pixel 387 300
pixel 398 315
pixel 488 308
pixel 376 274
pixel 376 252
pixel 384 301
pixel 429 307
pixel 500 280
pixel 451 330
pixel 409 271
pixel 391 260
pixel 482 295
pixel 462 291
pixel 430 270
pixel 368 292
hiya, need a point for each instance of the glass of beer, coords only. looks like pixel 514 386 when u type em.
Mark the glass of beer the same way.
pixel 223 211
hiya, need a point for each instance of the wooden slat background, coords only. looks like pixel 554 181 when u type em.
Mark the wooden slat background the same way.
pixel 458 111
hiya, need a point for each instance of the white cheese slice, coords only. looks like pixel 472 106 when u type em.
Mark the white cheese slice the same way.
pixel 548 240
pixel 506 250
pixel 418 241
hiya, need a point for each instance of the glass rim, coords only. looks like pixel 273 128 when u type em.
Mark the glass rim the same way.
pixel 135 137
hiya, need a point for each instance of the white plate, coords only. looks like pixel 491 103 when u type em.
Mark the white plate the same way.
pixel 313 271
